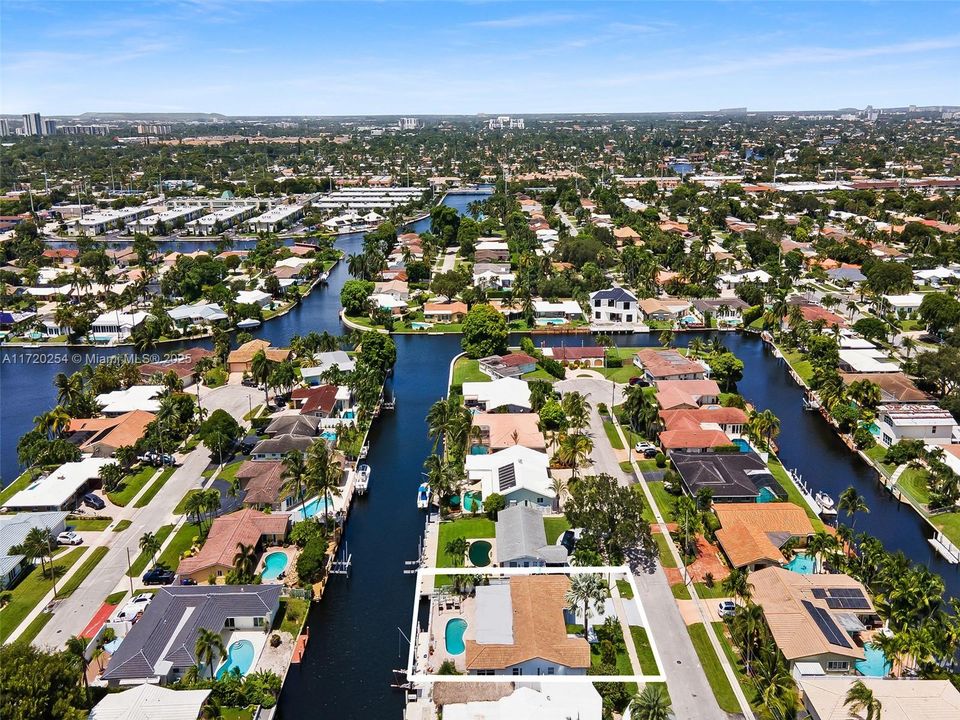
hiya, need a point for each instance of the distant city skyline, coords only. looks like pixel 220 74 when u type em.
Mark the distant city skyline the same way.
pixel 285 57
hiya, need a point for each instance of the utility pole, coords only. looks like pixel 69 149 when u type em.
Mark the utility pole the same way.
pixel 130 572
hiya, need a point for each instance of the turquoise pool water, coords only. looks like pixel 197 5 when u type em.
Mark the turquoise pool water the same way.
pixel 349 414
pixel 801 563
pixel 875 664
pixel 314 507
pixel 239 656
pixel 274 564
pixel 421 325
pixel 471 503
pixel 329 435
pixel 874 429
pixel 742 444
pixel 766 495
pixel 551 321
pixel 453 636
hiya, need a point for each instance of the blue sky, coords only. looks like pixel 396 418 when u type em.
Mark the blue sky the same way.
pixel 391 57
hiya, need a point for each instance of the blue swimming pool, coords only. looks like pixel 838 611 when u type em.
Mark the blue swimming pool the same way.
pixel 314 507
pixel 274 564
pixel 742 444
pixel 453 636
pixel 551 321
pixel 801 563
pixel 875 664
pixel 329 435
pixel 421 325
pixel 766 495
pixel 239 656
pixel 349 414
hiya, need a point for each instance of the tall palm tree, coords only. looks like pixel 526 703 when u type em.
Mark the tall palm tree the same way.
pixel 209 649
pixel 76 647
pixel 577 409
pixel 737 584
pixel 586 588
pixel 559 487
pixel 819 544
pixel 456 549
pixel 651 704
pixel 860 699
pixel 196 506
pixel 438 417
pixel 323 474
pixel 150 545
pixel 261 368
pixel 245 561
pixel 294 477
pixel 852 502
pixel 573 450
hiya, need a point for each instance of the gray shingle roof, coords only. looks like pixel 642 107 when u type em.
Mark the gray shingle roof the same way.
pixel 731 476
pixel 14 528
pixel 521 534
pixel 617 294
pixel 169 627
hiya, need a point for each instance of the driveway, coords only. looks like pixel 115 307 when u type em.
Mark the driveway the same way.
pixel 238 400
pixel 599 391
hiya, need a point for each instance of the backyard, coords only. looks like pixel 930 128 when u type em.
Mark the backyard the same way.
pixel 469 528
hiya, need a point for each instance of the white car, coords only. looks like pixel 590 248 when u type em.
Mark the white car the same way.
pixel 69 537
pixel 727 608
pixel 645 448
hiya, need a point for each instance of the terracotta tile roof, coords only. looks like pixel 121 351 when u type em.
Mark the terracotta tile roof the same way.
pixel 114 432
pixel 322 398
pixel 245 352
pixel 678 419
pixel 516 359
pixel 499 427
pixel 184 365
pixel 814 312
pixel 264 481
pixel 578 353
pixel 539 630
pixel 755 532
pixel 693 438
pixel 666 363
pixel 227 532
pixel 893 386
pixel 448 307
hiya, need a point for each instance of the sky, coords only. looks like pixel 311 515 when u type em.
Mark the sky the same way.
pixel 310 57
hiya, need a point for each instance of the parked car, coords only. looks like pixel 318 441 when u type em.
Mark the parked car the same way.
pixel 726 608
pixel 248 382
pixel 69 537
pixel 187 581
pixel 93 501
pixel 153 458
pixel 648 450
pixel 639 381
pixel 159 576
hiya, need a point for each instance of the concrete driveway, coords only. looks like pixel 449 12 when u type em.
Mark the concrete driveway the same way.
pixel 237 400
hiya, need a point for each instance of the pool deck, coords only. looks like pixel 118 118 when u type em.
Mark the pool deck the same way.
pixel 290 571
pixel 257 638
pixel 442 610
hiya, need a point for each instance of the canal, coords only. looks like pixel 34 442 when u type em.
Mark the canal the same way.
pixel 355 641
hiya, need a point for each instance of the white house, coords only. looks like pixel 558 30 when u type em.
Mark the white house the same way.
pixel 929 423
pixel 136 397
pixel 254 297
pixel 517 473
pixel 613 305
pixel 905 304
pixel 556 701
pixel 150 702
pixel 116 325
pixel 509 393
pixel 544 310
pixel 59 489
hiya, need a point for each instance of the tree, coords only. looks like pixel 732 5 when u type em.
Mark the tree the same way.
pixel 736 584
pixel 456 549
pixel 612 517
pixel 852 502
pixel 871 328
pixel 727 370
pixel 261 369
pixel 378 351
pixel 484 332
pixel 150 545
pixel 209 649
pixel 76 646
pixel 354 295
pixel 573 450
pixel 219 432
pixel 651 704
pixel 586 588
pixel 860 699
pixel 493 504
pixel 887 277
pixel 39 685
pixel 245 562
pixel 294 476
pixel 940 312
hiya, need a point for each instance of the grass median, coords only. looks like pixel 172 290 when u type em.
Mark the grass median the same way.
pixel 81 574
pixel 717 678
pixel 31 590
pixel 154 488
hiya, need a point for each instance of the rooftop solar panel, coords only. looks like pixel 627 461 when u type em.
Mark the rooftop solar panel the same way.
pixel 833 634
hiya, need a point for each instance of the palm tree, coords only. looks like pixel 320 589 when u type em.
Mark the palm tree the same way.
pixel 577 409
pixel 438 418
pixel 245 561
pixel 209 649
pixel 574 450
pixel 76 647
pixel 860 699
pixel 586 588
pixel 456 549
pixel 323 474
pixel 651 704
pixel 294 477
pixel 261 368
pixel 737 584
pixel 819 544
pixel 196 506
pixel 559 487
pixel 852 502
pixel 150 545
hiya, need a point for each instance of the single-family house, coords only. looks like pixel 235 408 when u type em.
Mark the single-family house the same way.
pixel 183 365
pixel 512 364
pixel 499 431
pixel 522 539
pixel 60 488
pixel 241 359
pixel 135 397
pixel 547 312
pixel 517 473
pixel 254 297
pixel 321 401
pixel 673 394
pixel 728 312
pixel 447 312
pixel 895 387
pixel 585 356
pixel 200 313
pixel 292 425
pixel 752 534
pixel 906 304
pixel 825 697
pixel 14 530
pixel 932 424
pixel 509 393
pixel 276 447
pixel 325 361
pixel 731 477
pixel 491 250
pixel 614 305
pixel 150 702
pixel 102 436
pixel 248 527
pixel 668 364
pixel 114 326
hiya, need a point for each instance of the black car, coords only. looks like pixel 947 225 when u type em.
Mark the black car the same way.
pixel 93 501
pixel 187 581
pixel 159 576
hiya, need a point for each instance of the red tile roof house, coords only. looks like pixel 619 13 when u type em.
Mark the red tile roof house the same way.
pixel 510 365
pixel 692 440
pixel 729 420
pixel 320 401
pixel 668 365
pixel 587 356
pixel 672 394
pixel 227 533
pixel 183 366
pixel 65 256
pixel 263 485
pixel 451 312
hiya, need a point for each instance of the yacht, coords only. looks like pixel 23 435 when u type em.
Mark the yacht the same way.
pixel 824 501
pixel 423 496
pixel 362 481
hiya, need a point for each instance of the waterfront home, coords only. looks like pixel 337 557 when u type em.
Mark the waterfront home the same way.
pixel 654 310
pixel 322 401
pixel 248 527
pixel 509 365
pixel 812 313
pixel 693 440
pixel 673 394
pixel 325 361
pixel 825 698
pixel 520 628
pixel 115 326
pixel 275 448
pixel 445 312
pixel 731 477
pixel 135 397
pixel 390 303
pixel 397 289
pixel 254 297
pixel 102 436
pixel 201 313
pixel 150 702
pixel 728 312
pixel 566 310
pixel 813 617
pixel 499 431
pixel 613 305
pixel 660 365
pixel 522 539
pixel 491 250
pixel 494 276
pixel 865 360
pixel 729 420
pixel 586 356
pixel 160 648
pixel 262 482
pixel 517 473
pixel 13 531
pixel 556 701
pixel 929 423
pixel 59 489
pixel 752 534
pixel 895 387
pixel 292 425
pixel 183 365
pixel 241 359
pixel 508 393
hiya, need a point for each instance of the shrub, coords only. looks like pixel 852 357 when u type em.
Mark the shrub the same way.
pixel 493 504
pixel 751 314
pixel 552 367
pixel 863 438
pixel 708 579
pixel 614 360
pixel 447 667
pixel 312 560
pixel 661 460
pixel 274 640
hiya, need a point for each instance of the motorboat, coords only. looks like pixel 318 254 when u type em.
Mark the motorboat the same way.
pixel 248 324
pixel 824 501
pixel 362 481
pixel 423 496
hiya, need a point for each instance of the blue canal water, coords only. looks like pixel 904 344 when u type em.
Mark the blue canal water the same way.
pixel 355 637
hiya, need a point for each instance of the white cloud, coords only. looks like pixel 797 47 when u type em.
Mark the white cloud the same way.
pixel 527 21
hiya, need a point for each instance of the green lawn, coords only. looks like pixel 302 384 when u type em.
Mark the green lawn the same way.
pixel 467 370
pixel 33 629
pixel 182 541
pixel 122 525
pixel 555 527
pixel 232 713
pixel 626 591
pixel 711 666
pixel 17 485
pixel 89 524
pixel 30 591
pixel 85 569
pixel 154 488
pixel 801 366
pixel 663 548
pixel 115 598
pixel 746 684
pixel 143 559
pixel 181 507
pixel 538 374
pixel 131 485
pixel 612 436
pixel 292 614
pixel 648 663
pixel 793 493
pixel 478 527
pixel 229 471
pixel 878 454
pixel 663 499
pixel 680 591
pixel 714 592
pixel 913 481
pixel 949 525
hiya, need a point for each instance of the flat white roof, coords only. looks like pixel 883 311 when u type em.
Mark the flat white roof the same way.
pixel 138 397
pixel 59 486
pixel 867 361
pixel 493 617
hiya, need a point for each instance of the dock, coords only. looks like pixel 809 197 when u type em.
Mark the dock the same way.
pixel 945 549
pixel 299 649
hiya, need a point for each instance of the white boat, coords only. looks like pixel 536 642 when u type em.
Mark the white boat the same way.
pixel 363 479
pixel 248 323
pixel 423 496
pixel 811 403
pixel 824 501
